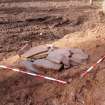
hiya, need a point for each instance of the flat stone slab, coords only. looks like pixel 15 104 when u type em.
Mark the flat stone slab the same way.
pixel 36 50
pixel 60 56
pixel 78 56
pixel 46 64
pixel 67 56
pixel 54 59
pixel 28 65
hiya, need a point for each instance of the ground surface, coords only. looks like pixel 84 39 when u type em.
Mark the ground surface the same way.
pixel 40 22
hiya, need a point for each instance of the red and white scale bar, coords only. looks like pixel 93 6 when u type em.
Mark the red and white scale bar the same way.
pixel 34 74
pixel 92 67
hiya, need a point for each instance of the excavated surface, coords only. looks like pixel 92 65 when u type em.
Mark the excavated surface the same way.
pixel 84 26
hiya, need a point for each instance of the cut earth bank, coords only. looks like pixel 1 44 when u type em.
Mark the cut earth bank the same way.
pixel 79 92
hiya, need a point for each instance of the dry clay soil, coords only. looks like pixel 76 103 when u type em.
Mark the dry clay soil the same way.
pixel 40 22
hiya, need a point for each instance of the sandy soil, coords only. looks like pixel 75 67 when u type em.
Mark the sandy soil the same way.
pixel 80 26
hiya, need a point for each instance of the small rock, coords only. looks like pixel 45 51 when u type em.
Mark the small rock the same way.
pixel 46 64
pixel 69 80
pixel 41 34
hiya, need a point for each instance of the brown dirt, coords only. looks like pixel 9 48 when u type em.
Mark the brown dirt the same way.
pixel 84 26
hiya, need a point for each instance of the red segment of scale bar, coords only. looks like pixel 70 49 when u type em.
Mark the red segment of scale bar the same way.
pixel 92 67
pixel 34 74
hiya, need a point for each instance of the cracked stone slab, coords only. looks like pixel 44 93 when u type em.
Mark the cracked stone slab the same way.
pixel 46 64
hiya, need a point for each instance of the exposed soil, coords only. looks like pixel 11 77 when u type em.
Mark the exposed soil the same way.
pixel 41 23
